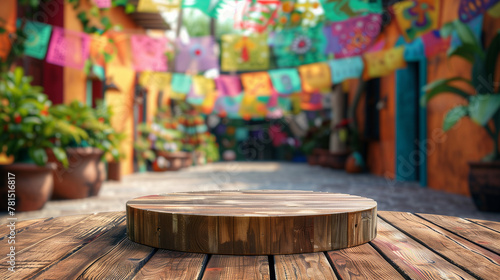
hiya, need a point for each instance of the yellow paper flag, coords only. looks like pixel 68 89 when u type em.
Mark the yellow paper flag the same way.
pixel 383 62
pixel 315 77
pixel 257 84
pixel 158 6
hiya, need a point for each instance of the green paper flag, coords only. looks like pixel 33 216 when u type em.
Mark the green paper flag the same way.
pixel 286 81
pixel 181 83
pixel 339 10
pixel 208 7
pixel 37 41
pixel 297 46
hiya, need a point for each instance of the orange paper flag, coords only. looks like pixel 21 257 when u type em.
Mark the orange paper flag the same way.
pixel 315 77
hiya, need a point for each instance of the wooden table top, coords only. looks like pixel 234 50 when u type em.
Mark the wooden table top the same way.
pixel 258 222
pixel 407 246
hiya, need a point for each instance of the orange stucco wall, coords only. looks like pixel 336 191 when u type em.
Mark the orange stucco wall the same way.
pixel 447 160
pixel 447 163
pixel 120 70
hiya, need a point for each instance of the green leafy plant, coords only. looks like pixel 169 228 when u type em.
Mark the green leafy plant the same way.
pixel 483 107
pixel 142 145
pixel 27 126
pixel 95 123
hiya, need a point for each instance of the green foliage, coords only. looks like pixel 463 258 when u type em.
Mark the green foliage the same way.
pixel 95 123
pixel 27 127
pixel 483 107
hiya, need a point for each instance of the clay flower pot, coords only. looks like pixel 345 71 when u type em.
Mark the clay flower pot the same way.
pixel 114 171
pixel 173 160
pixel 83 177
pixel 484 185
pixel 33 185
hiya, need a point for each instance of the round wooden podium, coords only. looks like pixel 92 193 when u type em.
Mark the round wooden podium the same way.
pixel 261 222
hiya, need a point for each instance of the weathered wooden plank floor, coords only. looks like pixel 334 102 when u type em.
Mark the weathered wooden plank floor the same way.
pixel 408 246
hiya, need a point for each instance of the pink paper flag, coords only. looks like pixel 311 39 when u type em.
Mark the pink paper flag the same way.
pixel 196 56
pixel 149 53
pixel 353 36
pixel 68 48
pixel 103 4
pixel 434 44
pixel 228 85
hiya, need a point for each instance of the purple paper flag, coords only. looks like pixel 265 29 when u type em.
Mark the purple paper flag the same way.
pixel 68 48
pixel 351 37
pixel 149 53
pixel 103 4
pixel 228 85
pixel 470 9
pixel 197 55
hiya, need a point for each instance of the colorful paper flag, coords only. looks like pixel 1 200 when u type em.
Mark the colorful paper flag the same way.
pixel 201 88
pixel 416 17
pixel 316 77
pixel 181 85
pixel 37 38
pixel 382 63
pixel 208 7
pixel 252 107
pixel 297 46
pixel 339 10
pixel 311 101
pixel 103 4
pixel 155 80
pixel 158 6
pixel 257 84
pixel 353 36
pixel 256 15
pixel 470 9
pixel 244 52
pixel 68 48
pixel 149 53
pixel 196 56
pixel 286 81
pixel 414 51
pixel 346 68
pixel 434 44
pixel 228 85
pixel 229 104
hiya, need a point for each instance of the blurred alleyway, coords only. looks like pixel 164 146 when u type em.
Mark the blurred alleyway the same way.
pixel 266 175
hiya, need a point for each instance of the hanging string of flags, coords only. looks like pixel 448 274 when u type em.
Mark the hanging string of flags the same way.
pixel 353 36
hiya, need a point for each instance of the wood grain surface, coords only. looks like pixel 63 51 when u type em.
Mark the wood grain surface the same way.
pixel 407 246
pixel 252 222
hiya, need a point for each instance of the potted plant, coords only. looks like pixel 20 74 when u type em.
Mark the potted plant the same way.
pixel 86 171
pixel 482 107
pixel 28 130
pixel 142 148
pixel 115 155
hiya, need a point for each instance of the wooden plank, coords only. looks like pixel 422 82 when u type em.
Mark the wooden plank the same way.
pixel 251 222
pixel 476 260
pixel 303 266
pixel 33 233
pixel 237 267
pixel 362 262
pixel 489 224
pixel 413 259
pixel 471 231
pixel 167 264
pixel 46 251
pixel 74 265
pixel 20 226
pixel 122 262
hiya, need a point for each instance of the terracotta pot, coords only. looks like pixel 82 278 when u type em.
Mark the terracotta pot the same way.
pixel 484 185
pixel 33 186
pixel 114 171
pixel 173 161
pixel 312 159
pixel 83 177
pixel 351 165
pixel 188 160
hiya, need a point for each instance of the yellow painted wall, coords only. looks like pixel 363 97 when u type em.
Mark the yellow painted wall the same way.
pixel 120 69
